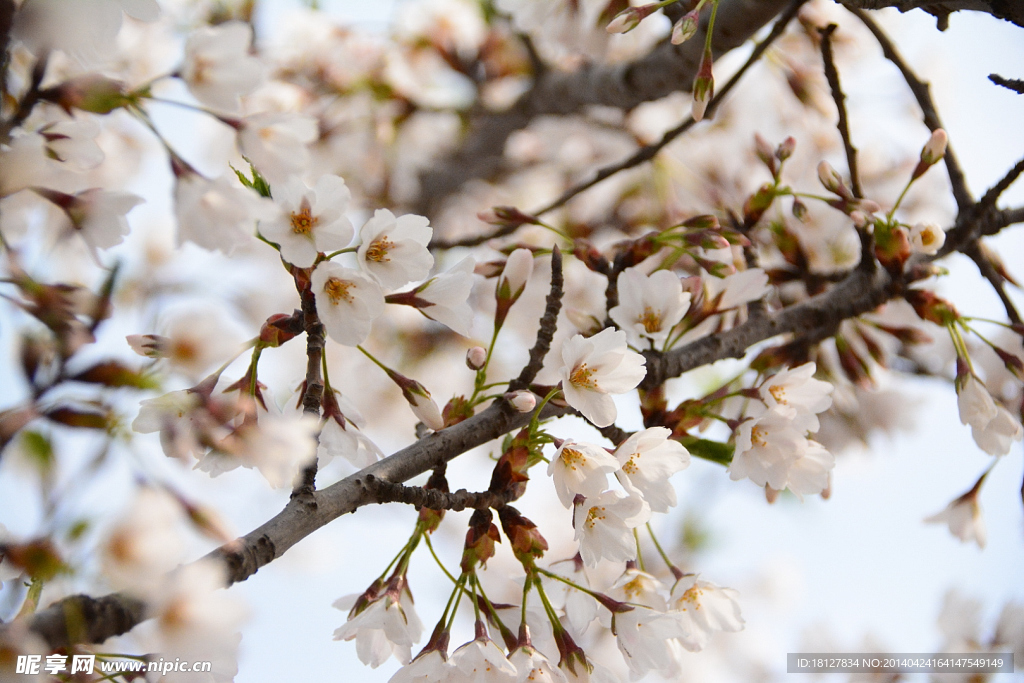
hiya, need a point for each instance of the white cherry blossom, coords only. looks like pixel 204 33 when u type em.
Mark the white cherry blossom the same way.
pixel 596 367
pixel 975 404
pixel 279 446
pixel 737 289
pixel 999 434
pixel 218 67
pixel 766 448
pixel 145 544
pixel 347 302
pixel 811 473
pixel 604 526
pixel 276 143
pixel 580 468
pixel 647 459
pixel 428 667
pixel 702 608
pixel 797 390
pixel 387 626
pixel 394 250
pixel 311 220
pixel 445 297
pixel 216 214
pixel 481 661
pixel 649 305
pixel 640 588
pixel 533 667
pixel 963 517
pixel 644 637
pixel 926 238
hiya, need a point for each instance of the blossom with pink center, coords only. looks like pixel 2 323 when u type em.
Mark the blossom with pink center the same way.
pixel 347 302
pixel 647 459
pixel 580 468
pixel 311 220
pixel 798 391
pixel 702 608
pixel 594 369
pixel 604 526
pixel 394 250
pixel 649 305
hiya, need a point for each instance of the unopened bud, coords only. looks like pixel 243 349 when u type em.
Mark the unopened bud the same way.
pixel 935 148
pixel 93 93
pixel 629 18
pixel 931 153
pixel 765 153
pixel 149 345
pixel 476 357
pixel 786 148
pixel 512 282
pixel 799 210
pixel 859 218
pixel 685 28
pixel 703 87
pixel 832 181
pixel 523 401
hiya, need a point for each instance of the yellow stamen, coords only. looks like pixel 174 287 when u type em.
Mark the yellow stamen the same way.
pixel 378 250
pixel 650 320
pixel 303 220
pixel 581 377
pixel 338 290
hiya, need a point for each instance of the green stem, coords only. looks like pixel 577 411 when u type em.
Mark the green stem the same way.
pixel 430 547
pixel 639 553
pixel 661 551
pixel 346 250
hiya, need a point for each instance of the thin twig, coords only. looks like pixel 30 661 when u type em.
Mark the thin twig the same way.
pixel 976 252
pixel 1014 84
pixel 647 152
pixel 974 222
pixel 832 75
pixel 921 92
pixel 548 325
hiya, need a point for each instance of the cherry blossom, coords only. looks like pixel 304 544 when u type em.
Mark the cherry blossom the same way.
pixel 702 608
pixel 998 435
pixel 218 67
pixel 311 220
pixel 963 517
pixel 275 143
pixel 445 298
pixel 649 305
pixel 387 626
pixel 347 302
pixel 647 459
pixel 644 637
pixel 604 526
pixel 927 238
pixel 394 250
pixel 428 667
pixel 580 469
pixel 798 391
pixel 216 214
pixel 766 448
pixel 481 660
pixel 596 367
pixel 637 587
pixel 145 544
pixel 533 667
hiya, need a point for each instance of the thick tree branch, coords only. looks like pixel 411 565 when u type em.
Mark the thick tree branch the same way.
pixel 666 69
pixel 435 499
pixel 1010 10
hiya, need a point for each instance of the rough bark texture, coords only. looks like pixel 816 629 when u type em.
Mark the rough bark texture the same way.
pixel 1009 10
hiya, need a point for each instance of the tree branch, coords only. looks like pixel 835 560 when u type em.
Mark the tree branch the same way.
pixel 434 499
pixel 666 69
pixel 546 330
pixel 921 92
pixel 1009 10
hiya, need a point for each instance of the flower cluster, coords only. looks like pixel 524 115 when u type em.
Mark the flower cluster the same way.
pixel 772 449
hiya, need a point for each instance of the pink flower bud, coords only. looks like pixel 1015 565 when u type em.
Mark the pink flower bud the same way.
pixel 518 269
pixel 91 92
pixel 685 28
pixel 523 401
pixel 703 87
pixel 935 148
pixel 785 149
pixel 629 18
pixel 476 357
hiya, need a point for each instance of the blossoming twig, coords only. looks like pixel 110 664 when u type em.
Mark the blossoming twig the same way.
pixel 548 324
